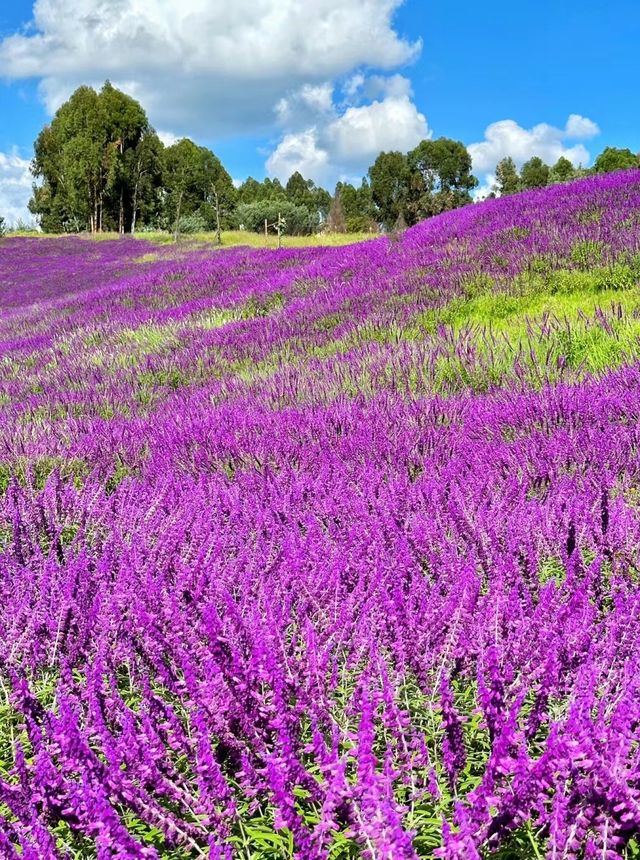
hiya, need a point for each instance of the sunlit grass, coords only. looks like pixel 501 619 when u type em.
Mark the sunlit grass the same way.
pixel 230 239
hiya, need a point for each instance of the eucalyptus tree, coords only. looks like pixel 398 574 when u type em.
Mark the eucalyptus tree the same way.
pixel 507 177
pixel 83 164
pixel 535 173
pixel 440 177
pixel 196 185
pixel 389 177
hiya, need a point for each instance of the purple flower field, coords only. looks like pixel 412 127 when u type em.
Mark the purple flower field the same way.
pixel 326 553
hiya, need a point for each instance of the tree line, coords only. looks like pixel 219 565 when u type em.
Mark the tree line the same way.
pixel 100 166
pixel 536 174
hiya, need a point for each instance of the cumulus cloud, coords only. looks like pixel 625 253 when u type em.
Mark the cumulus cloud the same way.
pixel 379 86
pixel 15 188
pixel 305 105
pixel 581 128
pixel 206 67
pixel 363 132
pixel 506 137
pixel 342 139
pixel 299 151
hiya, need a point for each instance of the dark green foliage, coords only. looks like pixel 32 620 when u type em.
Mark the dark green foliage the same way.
pixel 144 168
pixel 389 176
pixel 507 177
pixel 432 178
pixel 191 176
pixel 252 191
pixel 85 159
pixel 562 171
pixel 359 209
pixel 307 204
pixel 440 178
pixel 535 173
pixel 612 158
pixel 304 192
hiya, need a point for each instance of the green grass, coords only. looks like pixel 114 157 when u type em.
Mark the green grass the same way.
pixel 230 239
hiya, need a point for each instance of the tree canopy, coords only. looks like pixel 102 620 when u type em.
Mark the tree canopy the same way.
pixel 440 177
pixel 612 158
pixel 193 178
pixel 84 160
pixel 507 177
pixel 389 176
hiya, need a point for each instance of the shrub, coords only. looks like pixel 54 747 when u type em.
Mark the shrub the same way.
pixel 192 224
pixel 299 220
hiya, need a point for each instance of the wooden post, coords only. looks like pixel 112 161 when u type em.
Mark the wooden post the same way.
pixel 266 232
pixel 279 231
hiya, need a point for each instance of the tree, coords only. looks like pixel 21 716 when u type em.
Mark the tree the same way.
pixel 125 125
pixel 612 158
pixel 440 177
pixel 69 158
pixel 389 176
pixel 196 185
pixel 535 173
pixel 297 189
pixel 336 220
pixel 181 177
pixel 145 171
pixel 304 192
pixel 82 160
pixel 562 171
pixel 358 206
pixel 250 191
pixel 2 227
pixel 507 178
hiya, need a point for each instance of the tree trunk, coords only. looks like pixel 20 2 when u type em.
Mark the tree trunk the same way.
pixel 121 213
pixel 176 231
pixel 134 213
pixel 218 236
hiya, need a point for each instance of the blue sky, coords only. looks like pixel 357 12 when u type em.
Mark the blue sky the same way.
pixel 278 85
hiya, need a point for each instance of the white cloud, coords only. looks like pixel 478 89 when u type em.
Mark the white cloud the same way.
pixel 506 137
pixel 334 141
pixel 15 188
pixel 305 105
pixel 168 137
pixel 204 67
pixel 299 151
pixel 379 86
pixel 353 84
pixel 580 128
pixel 362 132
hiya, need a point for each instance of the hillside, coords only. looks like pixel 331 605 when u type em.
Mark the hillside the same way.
pixel 326 552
